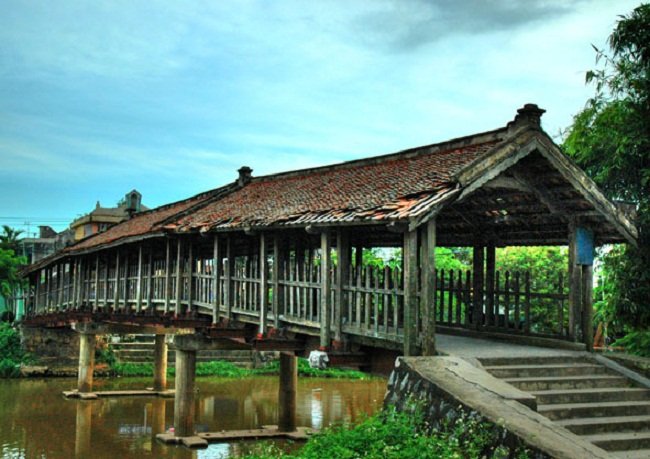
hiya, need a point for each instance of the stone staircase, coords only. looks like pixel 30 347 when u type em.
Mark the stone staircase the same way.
pixel 584 396
pixel 142 352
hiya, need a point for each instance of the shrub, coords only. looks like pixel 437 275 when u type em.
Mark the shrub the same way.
pixel 637 343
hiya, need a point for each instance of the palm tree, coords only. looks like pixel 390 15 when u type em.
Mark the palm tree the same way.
pixel 9 238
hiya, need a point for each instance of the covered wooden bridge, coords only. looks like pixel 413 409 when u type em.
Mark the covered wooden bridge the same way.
pixel 280 256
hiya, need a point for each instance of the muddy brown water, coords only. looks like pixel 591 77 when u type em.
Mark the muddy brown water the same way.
pixel 36 421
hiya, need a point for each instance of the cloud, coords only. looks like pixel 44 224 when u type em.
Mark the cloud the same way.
pixel 407 26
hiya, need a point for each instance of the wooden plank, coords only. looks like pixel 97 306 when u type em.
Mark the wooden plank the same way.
pixel 230 267
pixel 168 275
pixel 367 298
pixel 357 296
pixel 107 263
pixel 325 305
pixel 191 264
pixel 150 281
pixel 410 254
pixel 386 299
pixel 116 286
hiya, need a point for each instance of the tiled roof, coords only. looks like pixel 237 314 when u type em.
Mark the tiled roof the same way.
pixel 398 187
pixel 390 187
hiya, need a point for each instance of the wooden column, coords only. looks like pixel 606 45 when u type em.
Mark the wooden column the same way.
pixel 179 277
pixel 278 291
pixel 184 400
pixel 428 292
pixel 588 306
pixel 160 364
pixel 168 275
pixel 86 362
pixel 107 269
pixel 575 287
pixel 342 277
pixel 116 286
pixel 96 281
pixel 410 263
pixel 82 282
pixel 138 285
pixel 326 297
pixel 287 393
pixel 264 284
pixel 216 279
pixel 477 285
pixel 73 296
pixel 150 289
pixel 190 276
pixel 490 267
pixel 230 266
pixel 59 282
pixel 358 256
pixel 125 292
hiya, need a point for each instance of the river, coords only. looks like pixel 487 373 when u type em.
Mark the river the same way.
pixel 36 421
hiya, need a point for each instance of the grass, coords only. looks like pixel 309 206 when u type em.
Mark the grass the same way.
pixel 394 435
pixel 228 370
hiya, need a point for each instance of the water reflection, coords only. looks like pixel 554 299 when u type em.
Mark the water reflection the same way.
pixel 36 421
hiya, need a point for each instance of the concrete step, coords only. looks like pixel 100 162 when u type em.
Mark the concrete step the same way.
pixel 532 360
pixel 555 369
pixel 530 384
pixel 614 394
pixel 622 441
pixel 592 426
pixel 593 410
pixel 636 454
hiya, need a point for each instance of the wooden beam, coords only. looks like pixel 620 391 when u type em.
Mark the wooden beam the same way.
pixel 264 284
pixel 190 276
pixel 116 285
pixel 326 297
pixel 150 287
pixel 230 266
pixel 428 293
pixel 106 270
pixel 410 263
pixel 279 253
pixel 96 282
pixel 575 286
pixel 541 193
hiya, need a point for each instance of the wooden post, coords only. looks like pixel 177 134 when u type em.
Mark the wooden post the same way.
pixel 138 286
pixel 184 385
pixel 230 266
pixel 86 362
pixel 150 282
pixel 125 293
pixel 428 293
pixel 587 306
pixel 116 286
pixel 263 285
pixel 575 287
pixel 342 277
pixel 287 393
pixel 108 266
pixel 96 305
pixel 168 275
pixel 490 267
pixel 160 364
pixel 179 277
pixel 410 263
pixel 216 279
pixel 59 282
pixel 278 291
pixel 190 276
pixel 326 284
pixel 73 297
pixel 477 287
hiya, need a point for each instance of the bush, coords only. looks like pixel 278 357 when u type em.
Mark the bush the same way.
pixel 12 354
pixel 637 343
pixel 9 368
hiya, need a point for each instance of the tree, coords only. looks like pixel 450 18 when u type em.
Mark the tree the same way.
pixel 12 284
pixel 9 238
pixel 610 139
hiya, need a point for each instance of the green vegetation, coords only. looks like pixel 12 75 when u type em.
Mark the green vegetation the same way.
pixel 610 139
pixel 636 342
pixel 394 435
pixel 229 370
pixel 11 284
pixel 11 352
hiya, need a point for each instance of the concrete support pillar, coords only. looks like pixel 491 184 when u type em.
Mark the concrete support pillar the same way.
pixel 184 401
pixel 86 362
pixel 160 364
pixel 287 393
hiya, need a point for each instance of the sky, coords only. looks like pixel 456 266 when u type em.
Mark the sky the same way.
pixel 171 98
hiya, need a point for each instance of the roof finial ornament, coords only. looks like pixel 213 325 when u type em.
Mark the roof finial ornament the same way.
pixel 245 175
pixel 530 115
